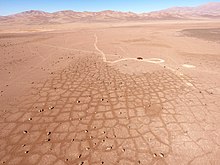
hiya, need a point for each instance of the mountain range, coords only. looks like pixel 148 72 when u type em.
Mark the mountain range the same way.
pixel 206 11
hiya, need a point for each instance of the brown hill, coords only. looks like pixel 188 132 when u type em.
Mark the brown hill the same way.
pixel 209 10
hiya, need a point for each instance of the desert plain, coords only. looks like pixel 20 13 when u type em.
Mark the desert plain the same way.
pixel 110 93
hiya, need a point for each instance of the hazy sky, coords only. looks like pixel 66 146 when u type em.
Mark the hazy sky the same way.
pixel 14 6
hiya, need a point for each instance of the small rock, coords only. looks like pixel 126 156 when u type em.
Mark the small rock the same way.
pixel 26 152
pixel 51 107
pixel 48 133
pixel 155 155
pixel 25 131
pixel 80 156
pixel 161 155
pixel 140 58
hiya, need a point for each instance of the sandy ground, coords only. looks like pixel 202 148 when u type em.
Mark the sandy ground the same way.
pixel 78 94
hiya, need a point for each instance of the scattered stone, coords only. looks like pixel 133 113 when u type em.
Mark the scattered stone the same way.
pixel 102 99
pixel 26 152
pixel 81 163
pixel 140 58
pixel 161 155
pixel 25 131
pixel 108 148
pixel 123 149
pixel 41 110
pixel 48 133
pixel 30 118
pixel 139 162
pixel 23 145
pixel 73 140
pixel 87 148
pixel 51 107
pixel 78 101
pixel 48 140
pixel 155 155
pixel 66 160
pixel 86 131
pixel 80 156
pixel 102 162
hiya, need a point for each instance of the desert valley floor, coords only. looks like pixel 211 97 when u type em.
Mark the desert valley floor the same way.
pixel 107 93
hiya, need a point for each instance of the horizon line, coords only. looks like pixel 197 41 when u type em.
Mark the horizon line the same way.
pixel 123 11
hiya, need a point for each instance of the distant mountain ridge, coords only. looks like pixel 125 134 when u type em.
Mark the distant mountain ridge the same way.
pixel 207 11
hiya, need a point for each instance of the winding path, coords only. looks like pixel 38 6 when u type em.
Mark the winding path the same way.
pixel 150 60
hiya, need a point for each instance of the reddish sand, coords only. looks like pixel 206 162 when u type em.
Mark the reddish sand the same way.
pixel 131 93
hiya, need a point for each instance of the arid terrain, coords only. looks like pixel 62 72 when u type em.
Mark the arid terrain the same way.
pixel 143 92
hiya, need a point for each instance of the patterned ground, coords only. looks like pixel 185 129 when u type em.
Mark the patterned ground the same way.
pixel 90 113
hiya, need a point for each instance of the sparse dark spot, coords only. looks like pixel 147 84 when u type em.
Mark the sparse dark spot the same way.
pixel 139 162
pixel 48 140
pixel 140 58
pixel 51 107
pixel 161 155
pixel 81 163
pixel 102 162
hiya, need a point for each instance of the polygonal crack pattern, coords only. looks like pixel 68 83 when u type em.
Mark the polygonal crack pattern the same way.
pixel 90 113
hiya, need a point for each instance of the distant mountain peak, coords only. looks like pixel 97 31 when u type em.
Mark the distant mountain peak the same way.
pixel 206 11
